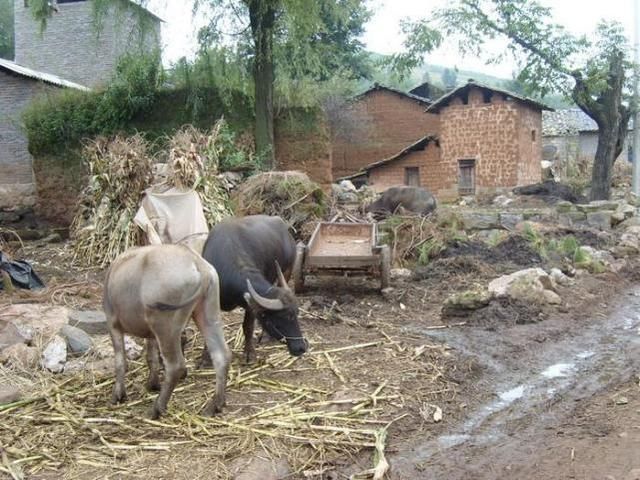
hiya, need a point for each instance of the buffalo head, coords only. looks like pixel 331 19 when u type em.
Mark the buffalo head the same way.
pixel 278 313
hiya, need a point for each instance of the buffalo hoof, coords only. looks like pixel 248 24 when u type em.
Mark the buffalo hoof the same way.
pixel 205 362
pixel 119 394
pixel 249 357
pixel 213 407
pixel 153 384
pixel 156 411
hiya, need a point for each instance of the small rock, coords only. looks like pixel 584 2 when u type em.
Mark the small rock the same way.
pixel 510 220
pixel 564 206
pixel 92 322
pixel 480 220
pixel 502 201
pixel 20 356
pixel 600 219
pixel 54 355
pixel 597 205
pixel 78 340
pixel 9 394
pixel 630 222
pixel 617 218
pixel 622 401
pixel 560 278
pixel 551 297
pixel 466 302
pixel 400 273
pixel 10 335
pixel 347 185
pixel 131 348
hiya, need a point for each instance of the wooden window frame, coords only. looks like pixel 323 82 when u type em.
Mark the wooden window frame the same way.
pixel 463 165
pixel 406 175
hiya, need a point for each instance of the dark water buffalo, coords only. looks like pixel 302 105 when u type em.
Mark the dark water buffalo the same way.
pixel 152 292
pixel 248 254
pixel 413 199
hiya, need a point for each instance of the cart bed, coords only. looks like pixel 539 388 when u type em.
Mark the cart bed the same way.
pixel 342 245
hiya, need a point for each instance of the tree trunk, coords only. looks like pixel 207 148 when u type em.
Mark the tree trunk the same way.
pixel 612 118
pixel 603 164
pixel 262 14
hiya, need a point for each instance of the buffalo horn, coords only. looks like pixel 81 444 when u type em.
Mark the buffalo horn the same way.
pixel 282 280
pixel 267 303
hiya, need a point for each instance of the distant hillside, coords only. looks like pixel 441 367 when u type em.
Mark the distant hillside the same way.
pixel 436 73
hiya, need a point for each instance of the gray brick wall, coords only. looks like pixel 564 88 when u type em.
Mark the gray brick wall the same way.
pixel 71 47
pixel 16 171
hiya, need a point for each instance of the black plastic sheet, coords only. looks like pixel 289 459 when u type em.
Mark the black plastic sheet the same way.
pixel 21 273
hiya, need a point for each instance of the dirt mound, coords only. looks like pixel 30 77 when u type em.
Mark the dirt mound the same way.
pixel 515 249
pixel 502 312
pixel 550 191
pixel 443 269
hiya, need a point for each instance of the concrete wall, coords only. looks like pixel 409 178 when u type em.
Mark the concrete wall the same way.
pixel 70 46
pixel 376 126
pixel 17 186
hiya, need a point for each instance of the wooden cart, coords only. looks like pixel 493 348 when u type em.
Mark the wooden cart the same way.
pixel 343 247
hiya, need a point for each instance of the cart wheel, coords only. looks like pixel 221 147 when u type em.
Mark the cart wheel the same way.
pixel 297 271
pixel 385 267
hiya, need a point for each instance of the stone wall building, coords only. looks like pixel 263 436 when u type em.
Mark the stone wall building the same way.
pixel 18 86
pixel 79 46
pixel 489 140
pixel 70 53
pixel 570 140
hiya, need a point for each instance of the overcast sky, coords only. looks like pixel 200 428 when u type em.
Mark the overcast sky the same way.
pixel 383 31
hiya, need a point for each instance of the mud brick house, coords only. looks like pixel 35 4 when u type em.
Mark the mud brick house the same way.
pixel 70 53
pixel 376 124
pixel 489 140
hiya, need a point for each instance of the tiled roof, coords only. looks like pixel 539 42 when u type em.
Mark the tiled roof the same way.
pixel 377 87
pixel 16 69
pixel 445 99
pixel 568 121
pixel 418 145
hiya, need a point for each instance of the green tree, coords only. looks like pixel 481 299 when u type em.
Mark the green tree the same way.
pixel 592 71
pixel 6 29
pixel 295 38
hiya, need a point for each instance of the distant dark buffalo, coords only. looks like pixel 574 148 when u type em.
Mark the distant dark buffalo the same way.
pixel 250 254
pixel 413 199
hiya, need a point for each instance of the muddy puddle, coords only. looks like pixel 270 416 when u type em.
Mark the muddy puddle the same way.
pixel 534 377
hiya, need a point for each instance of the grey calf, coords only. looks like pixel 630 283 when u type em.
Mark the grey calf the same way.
pixel 152 292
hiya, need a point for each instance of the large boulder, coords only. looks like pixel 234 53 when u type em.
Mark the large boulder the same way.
pixel 92 322
pixel 36 322
pixel 461 304
pixel 78 341
pixel 530 285
pixel 10 335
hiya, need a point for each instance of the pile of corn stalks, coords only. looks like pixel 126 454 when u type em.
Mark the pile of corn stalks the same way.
pixel 120 169
pixel 193 164
pixel 68 425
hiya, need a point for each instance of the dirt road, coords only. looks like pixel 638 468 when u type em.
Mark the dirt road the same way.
pixel 562 401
